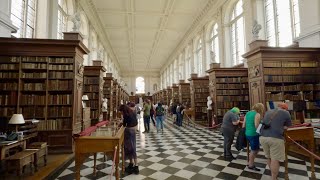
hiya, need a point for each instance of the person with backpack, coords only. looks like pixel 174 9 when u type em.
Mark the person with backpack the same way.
pixel 159 117
pixel 146 116
pixel 152 114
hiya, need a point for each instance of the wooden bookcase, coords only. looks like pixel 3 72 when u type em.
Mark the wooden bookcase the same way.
pixel 184 93
pixel 115 98
pixel 165 97
pixel 169 95
pixel 199 91
pixel 93 87
pixel 43 79
pixel 278 74
pixel 228 87
pixel 108 93
pixel 175 93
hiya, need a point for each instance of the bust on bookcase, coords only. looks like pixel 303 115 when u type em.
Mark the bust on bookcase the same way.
pixel 46 74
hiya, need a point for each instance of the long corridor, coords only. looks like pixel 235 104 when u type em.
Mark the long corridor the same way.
pixel 188 153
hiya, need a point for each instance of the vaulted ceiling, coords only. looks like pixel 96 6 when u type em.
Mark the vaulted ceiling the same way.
pixel 143 33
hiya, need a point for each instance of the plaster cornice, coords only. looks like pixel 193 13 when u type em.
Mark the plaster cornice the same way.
pixel 212 7
pixel 92 15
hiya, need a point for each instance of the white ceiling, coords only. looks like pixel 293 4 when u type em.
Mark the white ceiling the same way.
pixel 143 33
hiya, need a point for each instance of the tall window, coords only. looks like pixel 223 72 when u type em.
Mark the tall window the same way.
pixel 237 33
pixel 62 18
pixel 214 46
pixel 23 16
pixel 282 21
pixel 140 85
pixel 188 61
pixel 199 57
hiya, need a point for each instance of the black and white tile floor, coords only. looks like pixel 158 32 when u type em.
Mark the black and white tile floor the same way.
pixel 188 153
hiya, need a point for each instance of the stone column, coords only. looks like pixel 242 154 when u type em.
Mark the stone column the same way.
pixel 309 23
pixel 6 26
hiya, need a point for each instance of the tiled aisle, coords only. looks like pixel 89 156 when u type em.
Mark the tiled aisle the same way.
pixel 188 153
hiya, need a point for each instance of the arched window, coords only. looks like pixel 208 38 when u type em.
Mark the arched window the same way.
pixel 237 33
pixel 199 57
pixel 23 16
pixel 62 18
pixel 188 62
pixel 214 46
pixel 140 85
pixel 282 21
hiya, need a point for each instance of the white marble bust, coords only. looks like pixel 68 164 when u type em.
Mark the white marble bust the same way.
pixel 209 103
pixel 105 105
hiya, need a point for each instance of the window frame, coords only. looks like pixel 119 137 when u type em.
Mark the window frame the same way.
pixel 213 45
pixel 233 21
pixel 198 55
pixel 293 22
pixel 25 12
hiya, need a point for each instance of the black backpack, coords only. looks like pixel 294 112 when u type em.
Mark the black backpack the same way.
pixel 159 111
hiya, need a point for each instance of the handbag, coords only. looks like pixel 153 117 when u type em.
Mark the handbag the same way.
pixel 266 125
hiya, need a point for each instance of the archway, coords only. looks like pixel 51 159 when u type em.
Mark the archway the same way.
pixel 140 85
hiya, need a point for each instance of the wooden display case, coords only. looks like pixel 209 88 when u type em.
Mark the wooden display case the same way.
pixel 43 79
pixel 285 74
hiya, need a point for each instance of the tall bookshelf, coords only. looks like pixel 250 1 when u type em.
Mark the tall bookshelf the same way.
pixel 199 91
pixel 228 87
pixel 175 93
pixel 285 74
pixel 184 93
pixel 165 97
pixel 169 95
pixel 115 98
pixel 93 87
pixel 108 93
pixel 43 79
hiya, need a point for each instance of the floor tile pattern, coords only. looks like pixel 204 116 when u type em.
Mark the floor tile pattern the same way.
pixel 188 153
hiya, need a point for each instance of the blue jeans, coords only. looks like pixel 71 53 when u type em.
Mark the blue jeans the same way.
pixel 159 120
pixel 146 120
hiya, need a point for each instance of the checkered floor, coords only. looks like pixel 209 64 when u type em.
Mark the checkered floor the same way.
pixel 188 153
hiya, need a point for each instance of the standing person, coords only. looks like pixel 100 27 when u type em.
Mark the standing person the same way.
pixel 174 112
pixel 178 114
pixel 272 139
pixel 159 117
pixel 152 114
pixel 251 123
pixel 229 126
pixel 130 122
pixel 182 108
pixel 146 116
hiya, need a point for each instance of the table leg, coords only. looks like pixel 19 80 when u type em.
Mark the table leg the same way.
pixel 77 165
pixel 94 164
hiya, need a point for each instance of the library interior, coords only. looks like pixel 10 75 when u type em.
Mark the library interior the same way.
pixel 160 89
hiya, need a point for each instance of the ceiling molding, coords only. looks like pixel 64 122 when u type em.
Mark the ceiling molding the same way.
pixel 212 7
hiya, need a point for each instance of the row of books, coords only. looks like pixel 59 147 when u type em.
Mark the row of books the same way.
pixel 90 88
pixel 9 99
pixel 33 86
pixel 289 71
pixel 7 111
pixel 57 124
pixel 201 90
pixel 38 112
pixel 9 75
pixel 232 98
pixel 9 66
pixel 94 104
pixel 60 99
pixel 59 75
pixel 305 78
pixel 60 84
pixel 201 109
pixel 34 75
pixel 91 80
pixel 229 104
pixel 9 86
pixel 92 96
pixel 33 99
pixel 34 66
pixel 232 80
pixel 232 86
pixel 285 63
pixel 232 92
pixel 60 67
pixel 60 112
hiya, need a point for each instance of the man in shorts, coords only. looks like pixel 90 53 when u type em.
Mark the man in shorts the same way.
pixel 272 139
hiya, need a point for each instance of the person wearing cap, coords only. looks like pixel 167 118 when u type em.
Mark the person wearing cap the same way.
pixel 229 126
pixel 272 139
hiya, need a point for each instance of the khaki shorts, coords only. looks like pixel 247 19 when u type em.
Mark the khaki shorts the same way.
pixel 273 148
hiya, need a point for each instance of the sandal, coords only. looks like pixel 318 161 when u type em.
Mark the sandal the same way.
pixel 253 168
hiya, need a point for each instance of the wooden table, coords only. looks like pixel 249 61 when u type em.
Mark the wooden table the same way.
pixel 22 143
pixel 100 141
pixel 299 134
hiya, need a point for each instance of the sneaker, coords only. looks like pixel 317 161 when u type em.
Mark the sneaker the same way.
pixel 135 170
pixel 253 168
pixel 129 169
